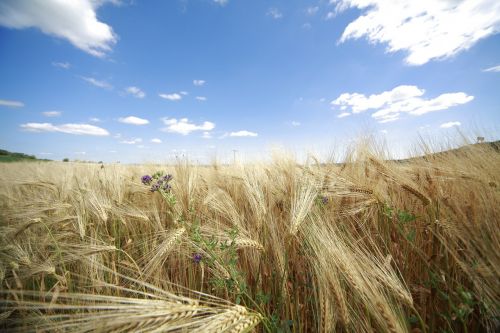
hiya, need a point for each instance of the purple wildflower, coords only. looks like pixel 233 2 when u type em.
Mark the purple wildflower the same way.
pixel 167 177
pixel 324 200
pixel 155 187
pixel 146 179
pixel 166 187
pixel 197 258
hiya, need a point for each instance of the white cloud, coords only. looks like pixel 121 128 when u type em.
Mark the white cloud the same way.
pixel 95 120
pixel 343 115
pixel 80 153
pixel 330 15
pixel 77 129
pixel 132 141
pixel 97 83
pixel 274 13
pixel 132 120
pixel 383 131
pixel 155 140
pixel 312 10
pixel 136 92
pixel 198 82
pixel 242 134
pixel 295 123
pixel 75 21
pixel 450 124
pixel 171 97
pixel 185 93
pixel 64 65
pixel 426 29
pixel 492 69
pixel 184 127
pixel 206 135
pixel 221 2
pixel 51 113
pixel 389 105
pixel 11 104
pixel 201 98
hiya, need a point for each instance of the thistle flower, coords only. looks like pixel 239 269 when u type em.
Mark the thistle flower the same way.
pixel 146 179
pixel 167 177
pixel 324 200
pixel 155 187
pixel 166 187
pixel 197 258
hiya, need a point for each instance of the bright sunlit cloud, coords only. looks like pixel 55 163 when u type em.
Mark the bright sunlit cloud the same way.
pixel 389 105
pixel 243 133
pixel 450 124
pixel 132 120
pixel 426 29
pixel 77 129
pixel 199 83
pixel 75 21
pixel 171 97
pixel 184 126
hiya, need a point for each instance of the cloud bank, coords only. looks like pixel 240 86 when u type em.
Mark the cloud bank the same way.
pixel 75 21
pixel 426 29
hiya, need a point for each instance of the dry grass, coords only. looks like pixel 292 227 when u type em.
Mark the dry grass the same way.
pixel 370 245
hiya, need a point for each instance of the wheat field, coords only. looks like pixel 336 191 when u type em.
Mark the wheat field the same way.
pixel 367 245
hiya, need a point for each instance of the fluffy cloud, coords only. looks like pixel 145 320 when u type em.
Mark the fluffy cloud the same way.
pixel 64 65
pixel 132 120
pixel 171 97
pixel 201 98
pixel 450 124
pixel 184 127
pixel 343 115
pixel 274 13
pixel 198 82
pixel 75 21
pixel 155 140
pixel 77 129
pixel 95 120
pixel 242 134
pixel 206 135
pixel 492 69
pixel 97 83
pixel 136 92
pixel 403 99
pixel 295 123
pixel 51 113
pixel 11 104
pixel 426 29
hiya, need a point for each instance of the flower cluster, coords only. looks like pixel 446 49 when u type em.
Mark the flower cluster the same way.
pixel 158 182
pixel 197 257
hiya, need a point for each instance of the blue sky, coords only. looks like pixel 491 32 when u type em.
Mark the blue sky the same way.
pixel 138 81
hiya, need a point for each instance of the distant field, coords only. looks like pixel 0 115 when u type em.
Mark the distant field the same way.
pixel 7 156
pixel 367 245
